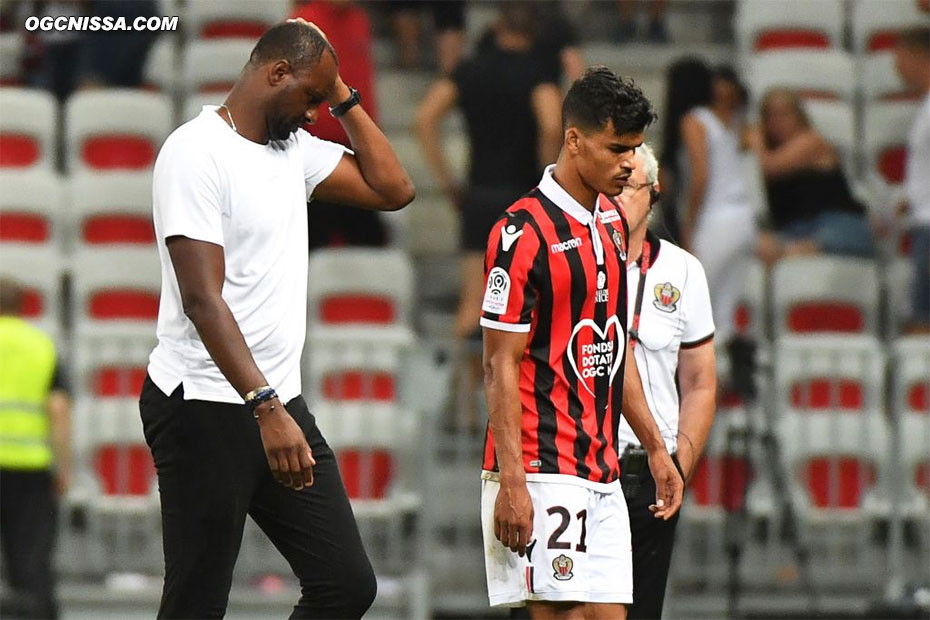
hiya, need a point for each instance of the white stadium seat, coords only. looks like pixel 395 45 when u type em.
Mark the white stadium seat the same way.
pixel 111 208
pixel 161 65
pixel 884 138
pixel 212 66
pixel 116 291
pixel 38 270
pixel 217 19
pixel 193 104
pixel 875 23
pixel 835 121
pixel 27 128
pixel 825 294
pixel 116 129
pixel 879 80
pixel 32 208
pixel 11 51
pixel 826 74
pixel 763 25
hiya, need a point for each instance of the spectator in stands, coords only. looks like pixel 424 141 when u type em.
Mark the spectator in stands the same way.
pixel 672 330
pixel 687 86
pixel 717 223
pixel 448 22
pixel 912 59
pixel 656 31
pixel 35 457
pixel 349 30
pixel 512 106
pixel 52 60
pixel 117 58
pixel 810 204
pixel 557 43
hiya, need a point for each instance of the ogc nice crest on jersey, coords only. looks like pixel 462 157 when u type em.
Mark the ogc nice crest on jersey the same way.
pixel 563 568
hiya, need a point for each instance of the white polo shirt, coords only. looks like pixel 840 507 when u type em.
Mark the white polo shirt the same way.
pixel 676 313
pixel 211 184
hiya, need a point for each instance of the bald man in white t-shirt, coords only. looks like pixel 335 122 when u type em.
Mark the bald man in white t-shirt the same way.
pixel 671 327
pixel 221 406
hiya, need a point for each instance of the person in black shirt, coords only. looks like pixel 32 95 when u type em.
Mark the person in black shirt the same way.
pixel 810 204
pixel 511 103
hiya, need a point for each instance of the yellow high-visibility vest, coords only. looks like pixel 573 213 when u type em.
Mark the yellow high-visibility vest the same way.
pixel 27 366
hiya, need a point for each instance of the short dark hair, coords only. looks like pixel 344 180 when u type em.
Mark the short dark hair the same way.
pixel 300 45
pixel 600 95
pixel 11 296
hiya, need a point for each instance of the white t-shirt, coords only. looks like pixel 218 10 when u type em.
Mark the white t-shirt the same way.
pixel 726 188
pixel 676 313
pixel 918 162
pixel 211 184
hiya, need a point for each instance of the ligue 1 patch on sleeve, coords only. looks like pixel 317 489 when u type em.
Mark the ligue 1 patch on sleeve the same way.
pixel 497 293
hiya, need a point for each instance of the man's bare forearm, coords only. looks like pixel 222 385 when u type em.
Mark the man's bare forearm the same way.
pixel 696 417
pixel 505 413
pixel 376 159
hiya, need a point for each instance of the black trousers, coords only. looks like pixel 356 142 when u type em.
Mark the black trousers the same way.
pixel 652 551
pixel 28 518
pixel 212 471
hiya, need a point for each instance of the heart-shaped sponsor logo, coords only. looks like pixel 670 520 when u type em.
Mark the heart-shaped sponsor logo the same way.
pixel 602 356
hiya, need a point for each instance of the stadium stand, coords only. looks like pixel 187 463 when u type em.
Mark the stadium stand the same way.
pixel 763 26
pixel 11 49
pixel 38 269
pixel 161 67
pixel 212 66
pixel 27 128
pixel 875 23
pixel 212 19
pixel 31 208
pixel 115 129
pixel 884 138
pixel 111 208
pixel 828 74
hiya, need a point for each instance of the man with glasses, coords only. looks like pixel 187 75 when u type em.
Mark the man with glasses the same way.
pixel 671 333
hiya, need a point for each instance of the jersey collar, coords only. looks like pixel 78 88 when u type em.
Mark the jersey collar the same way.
pixel 557 194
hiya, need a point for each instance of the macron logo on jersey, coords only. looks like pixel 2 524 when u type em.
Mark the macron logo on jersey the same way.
pixel 571 244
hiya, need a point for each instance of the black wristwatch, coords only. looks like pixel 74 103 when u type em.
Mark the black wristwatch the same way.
pixel 353 100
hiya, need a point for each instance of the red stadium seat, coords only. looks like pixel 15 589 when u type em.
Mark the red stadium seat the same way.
pixel 124 304
pixel 359 385
pixel 117 228
pixel 721 481
pixel 18 150
pixel 838 481
pixel 892 162
pixel 118 382
pixel 918 397
pixel 341 309
pixel 882 40
pixel 367 474
pixel 825 316
pixel 827 393
pixel 232 28
pixel 790 39
pixel 922 477
pixel 124 469
pixel 121 152
pixel 23 227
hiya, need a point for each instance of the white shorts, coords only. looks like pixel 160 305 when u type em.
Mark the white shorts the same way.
pixel 581 549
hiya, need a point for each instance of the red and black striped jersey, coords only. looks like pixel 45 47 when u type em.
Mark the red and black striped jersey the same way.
pixel 557 271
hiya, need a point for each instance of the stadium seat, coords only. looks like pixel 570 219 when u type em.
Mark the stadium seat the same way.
pixel 885 130
pixel 879 80
pixel 912 377
pixel 116 291
pixel 194 104
pixel 27 128
pixel 825 294
pixel 213 66
pixel 818 373
pixel 837 467
pixel 161 66
pixel 116 129
pixel 828 74
pixel 875 23
pixel 31 208
pixel 352 287
pixel 347 371
pixel 118 475
pixel 38 269
pixel 232 18
pixel 11 51
pixel 112 208
pixel 764 26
